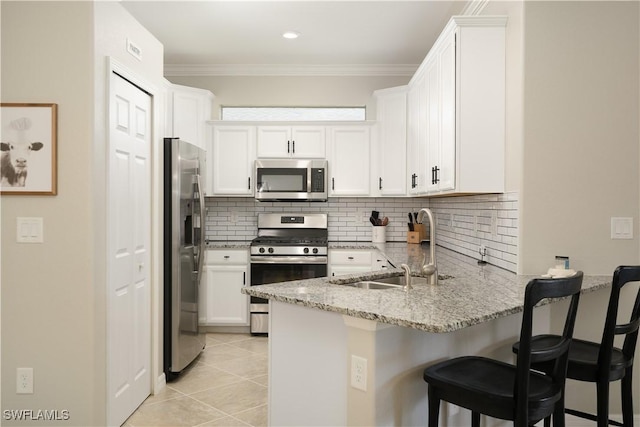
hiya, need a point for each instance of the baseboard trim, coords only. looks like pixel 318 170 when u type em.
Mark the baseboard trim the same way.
pixel 160 384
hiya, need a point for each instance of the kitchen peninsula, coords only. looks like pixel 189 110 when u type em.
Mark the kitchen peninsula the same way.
pixel 341 355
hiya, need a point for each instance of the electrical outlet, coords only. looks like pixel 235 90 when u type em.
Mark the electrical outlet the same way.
pixel 24 381
pixel 359 372
pixel 483 250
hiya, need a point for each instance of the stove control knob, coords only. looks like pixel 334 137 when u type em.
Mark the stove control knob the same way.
pixel 270 250
pixel 261 250
pixel 315 250
pixel 306 250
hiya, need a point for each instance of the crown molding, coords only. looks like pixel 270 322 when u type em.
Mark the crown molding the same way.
pixel 375 70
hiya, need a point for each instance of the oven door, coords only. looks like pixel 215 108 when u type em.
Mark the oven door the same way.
pixel 275 269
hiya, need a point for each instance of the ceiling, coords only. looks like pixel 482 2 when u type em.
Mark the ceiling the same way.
pixel 227 37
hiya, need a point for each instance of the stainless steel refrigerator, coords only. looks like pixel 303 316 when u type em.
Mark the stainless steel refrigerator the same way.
pixel 184 245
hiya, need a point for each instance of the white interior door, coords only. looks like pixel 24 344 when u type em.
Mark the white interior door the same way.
pixel 129 298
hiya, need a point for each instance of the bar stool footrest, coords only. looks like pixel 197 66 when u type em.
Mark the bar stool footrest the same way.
pixel 591 417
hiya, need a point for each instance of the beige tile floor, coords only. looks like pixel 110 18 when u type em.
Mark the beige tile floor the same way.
pixel 225 386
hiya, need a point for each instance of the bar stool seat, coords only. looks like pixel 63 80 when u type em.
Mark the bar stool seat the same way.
pixel 472 382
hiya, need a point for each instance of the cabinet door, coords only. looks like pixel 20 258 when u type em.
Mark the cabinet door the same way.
pixel 349 261
pixel 432 97
pixel 232 159
pixel 392 143
pixel 379 262
pixel 274 142
pixel 296 141
pixel 417 125
pixel 308 142
pixel 191 110
pixel 447 151
pixel 225 303
pixel 349 161
pixel 338 270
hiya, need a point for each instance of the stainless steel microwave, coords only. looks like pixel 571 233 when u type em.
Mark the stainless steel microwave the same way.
pixel 291 180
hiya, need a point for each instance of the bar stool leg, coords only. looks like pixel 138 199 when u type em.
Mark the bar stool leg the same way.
pixel 434 407
pixel 627 398
pixel 475 419
pixel 603 403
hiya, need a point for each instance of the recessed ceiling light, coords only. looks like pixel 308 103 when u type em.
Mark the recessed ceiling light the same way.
pixel 291 35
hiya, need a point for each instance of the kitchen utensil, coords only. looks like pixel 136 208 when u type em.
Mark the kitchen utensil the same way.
pixel 375 214
pixel 410 218
pixel 415 217
pixel 385 221
pixel 373 220
pixel 410 225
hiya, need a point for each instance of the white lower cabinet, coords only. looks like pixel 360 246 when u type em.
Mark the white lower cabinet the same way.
pixel 352 261
pixel 226 272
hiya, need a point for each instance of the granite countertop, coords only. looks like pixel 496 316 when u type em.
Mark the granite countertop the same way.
pixel 468 295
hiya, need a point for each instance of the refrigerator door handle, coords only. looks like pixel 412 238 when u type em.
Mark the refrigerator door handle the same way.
pixel 201 243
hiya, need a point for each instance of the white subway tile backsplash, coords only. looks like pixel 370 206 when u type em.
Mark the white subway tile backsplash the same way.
pixel 463 223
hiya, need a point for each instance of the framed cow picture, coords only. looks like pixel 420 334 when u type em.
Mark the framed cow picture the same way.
pixel 28 136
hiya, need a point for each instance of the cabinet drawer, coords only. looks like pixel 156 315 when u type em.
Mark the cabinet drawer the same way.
pixel 349 257
pixel 226 256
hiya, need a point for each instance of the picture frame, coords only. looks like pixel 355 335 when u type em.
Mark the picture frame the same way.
pixel 28 149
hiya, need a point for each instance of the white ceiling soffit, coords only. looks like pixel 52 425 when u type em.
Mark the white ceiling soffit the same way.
pixel 337 38
pixel 289 70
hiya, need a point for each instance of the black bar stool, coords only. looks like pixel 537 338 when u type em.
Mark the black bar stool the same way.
pixel 602 363
pixel 505 391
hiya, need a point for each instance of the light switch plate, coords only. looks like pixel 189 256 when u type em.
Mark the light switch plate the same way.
pixel 29 230
pixel 621 228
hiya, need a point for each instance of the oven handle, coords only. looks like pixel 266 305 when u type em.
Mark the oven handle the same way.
pixel 289 260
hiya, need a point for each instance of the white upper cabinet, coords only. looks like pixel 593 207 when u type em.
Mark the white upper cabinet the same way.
pixel 306 142
pixel 232 156
pixel 417 135
pixel 191 108
pixel 349 156
pixel 389 159
pixel 456 111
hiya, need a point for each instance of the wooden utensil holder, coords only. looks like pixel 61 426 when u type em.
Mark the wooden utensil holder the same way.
pixel 418 234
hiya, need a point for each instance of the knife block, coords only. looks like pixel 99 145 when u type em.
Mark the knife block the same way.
pixel 418 234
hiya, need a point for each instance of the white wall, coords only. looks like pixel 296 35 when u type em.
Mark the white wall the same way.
pixel 581 134
pixel 297 91
pixel 53 294
pixel 48 312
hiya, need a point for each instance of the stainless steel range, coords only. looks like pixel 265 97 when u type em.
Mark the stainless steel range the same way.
pixel 288 247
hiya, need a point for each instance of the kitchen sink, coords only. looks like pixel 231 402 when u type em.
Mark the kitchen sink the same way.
pixel 393 282
pixel 374 285
pixel 399 280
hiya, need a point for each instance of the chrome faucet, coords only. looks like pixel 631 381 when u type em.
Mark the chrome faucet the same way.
pixel 407 276
pixel 431 270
